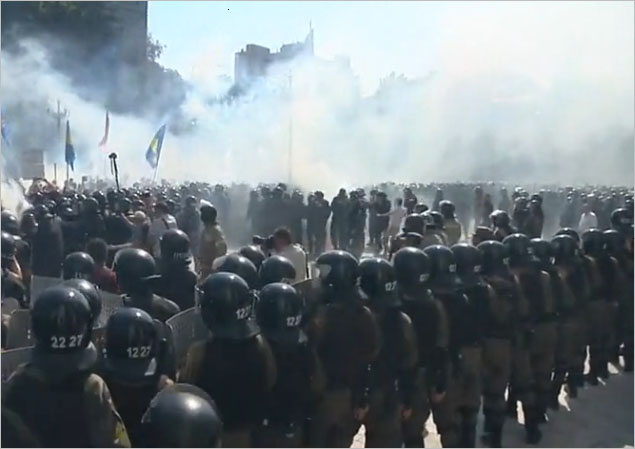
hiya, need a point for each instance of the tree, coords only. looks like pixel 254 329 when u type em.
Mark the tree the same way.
pixel 154 48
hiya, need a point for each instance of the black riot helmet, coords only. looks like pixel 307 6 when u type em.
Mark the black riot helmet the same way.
pixel 90 206
pixel 593 242
pixel 181 415
pixel 468 260
pixel 621 220
pixel 482 234
pixel 209 214
pixel 614 242
pixel 240 265
pixel 132 346
pixel 442 263
pixel 276 269
pixel 420 208
pixel 447 209
pixel 500 219
pixel 175 248
pixel 495 257
pixel 253 253
pixel 543 251
pixel 378 281
pixel 279 312
pixel 134 269
pixel 9 223
pixel 338 269
pixel 8 247
pixel 90 292
pixel 226 304
pixel 62 323
pixel 571 233
pixel 436 218
pixel 79 265
pixel 412 267
pixel 414 223
pixel 565 248
pixel 519 249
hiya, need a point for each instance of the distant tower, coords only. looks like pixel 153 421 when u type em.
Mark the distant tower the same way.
pixel 308 42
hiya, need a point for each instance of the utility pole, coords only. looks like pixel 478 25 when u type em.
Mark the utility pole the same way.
pixel 290 127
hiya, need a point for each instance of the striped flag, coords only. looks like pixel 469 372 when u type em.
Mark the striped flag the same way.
pixel 104 140
pixel 154 149
pixel 69 155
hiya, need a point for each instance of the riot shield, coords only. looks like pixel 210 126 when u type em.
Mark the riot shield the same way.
pixel 12 359
pixel 186 328
pixel 41 283
pixel 109 303
pixel 19 329
pixel 9 305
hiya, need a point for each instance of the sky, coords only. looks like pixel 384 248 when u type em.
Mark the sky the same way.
pixel 413 38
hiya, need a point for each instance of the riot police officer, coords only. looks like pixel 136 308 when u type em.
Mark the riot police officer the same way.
pixel 433 234
pixel 564 303
pixel 55 394
pixel 135 271
pixel 391 370
pixel 615 246
pixel 464 349
pixel 236 366
pixel 428 381
pixel 181 415
pixel 132 365
pixel 276 269
pixel 412 235
pixel 177 282
pixel 481 304
pixel 567 260
pixel 254 254
pixel 540 335
pixel 451 225
pixel 603 306
pixel 237 264
pixel 92 295
pixel 78 265
pixel 497 345
pixel 347 337
pixel 502 224
pixel 300 379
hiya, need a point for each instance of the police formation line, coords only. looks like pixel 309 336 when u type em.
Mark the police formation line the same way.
pixel 433 331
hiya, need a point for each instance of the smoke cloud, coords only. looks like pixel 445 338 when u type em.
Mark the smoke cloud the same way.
pixel 521 93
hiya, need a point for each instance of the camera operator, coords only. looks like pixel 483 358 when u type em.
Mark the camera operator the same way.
pixel 281 243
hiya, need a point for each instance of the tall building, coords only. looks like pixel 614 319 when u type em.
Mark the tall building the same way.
pixel 253 61
pixel 128 27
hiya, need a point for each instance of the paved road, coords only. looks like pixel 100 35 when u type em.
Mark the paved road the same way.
pixel 600 416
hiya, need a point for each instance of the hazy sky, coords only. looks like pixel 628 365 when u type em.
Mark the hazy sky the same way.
pixel 540 38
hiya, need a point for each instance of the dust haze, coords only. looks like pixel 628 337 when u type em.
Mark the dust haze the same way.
pixel 522 93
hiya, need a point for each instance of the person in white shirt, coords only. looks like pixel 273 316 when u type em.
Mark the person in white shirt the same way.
pixel 161 223
pixel 396 216
pixel 588 220
pixel 283 246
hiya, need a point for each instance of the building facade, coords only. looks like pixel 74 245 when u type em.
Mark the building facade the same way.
pixel 253 61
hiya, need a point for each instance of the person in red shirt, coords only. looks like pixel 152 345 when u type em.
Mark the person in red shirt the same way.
pixel 105 278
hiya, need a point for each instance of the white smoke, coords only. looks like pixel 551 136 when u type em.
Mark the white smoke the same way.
pixel 520 92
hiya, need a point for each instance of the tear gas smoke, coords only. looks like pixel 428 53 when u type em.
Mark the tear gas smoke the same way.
pixel 545 99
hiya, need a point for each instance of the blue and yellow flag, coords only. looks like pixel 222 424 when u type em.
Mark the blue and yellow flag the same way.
pixel 154 150
pixel 70 151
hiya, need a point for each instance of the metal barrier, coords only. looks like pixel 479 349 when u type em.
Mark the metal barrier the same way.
pixel 19 329
pixel 186 328
pixel 13 358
